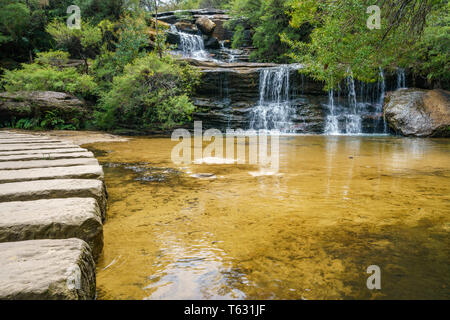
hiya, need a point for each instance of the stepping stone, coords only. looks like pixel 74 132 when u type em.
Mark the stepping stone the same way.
pixel 46 156
pixel 53 189
pixel 74 172
pixel 25 146
pixel 46 151
pixel 11 165
pixel 47 270
pixel 27 140
pixel 53 219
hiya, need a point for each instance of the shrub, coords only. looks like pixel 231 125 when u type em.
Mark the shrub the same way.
pixel 151 94
pixel 34 77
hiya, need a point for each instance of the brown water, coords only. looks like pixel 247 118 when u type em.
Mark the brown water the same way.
pixel 337 205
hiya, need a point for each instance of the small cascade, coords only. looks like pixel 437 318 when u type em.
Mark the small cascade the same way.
pixel 331 125
pixel 382 91
pixel 401 78
pixel 191 45
pixel 230 53
pixel 353 119
pixel 360 111
pixel 275 109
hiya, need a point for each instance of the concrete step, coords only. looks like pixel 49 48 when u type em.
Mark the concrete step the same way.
pixel 44 151
pixel 53 219
pixel 47 269
pixel 54 189
pixel 74 172
pixel 47 156
pixel 34 146
pixel 14 165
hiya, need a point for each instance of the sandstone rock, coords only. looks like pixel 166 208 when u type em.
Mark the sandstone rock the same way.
pixel 26 140
pixel 417 112
pixel 187 27
pixel 45 152
pixel 73 172
pixel 53 219
pixel 14 165
pixel 27 104
pixel 205 25
pixel 47 270
pixel 34 146
pixel 52 189
pixel 46 156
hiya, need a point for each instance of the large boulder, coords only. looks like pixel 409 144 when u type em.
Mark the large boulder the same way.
pixel 32 104
pixel 418 112
pixel 205 25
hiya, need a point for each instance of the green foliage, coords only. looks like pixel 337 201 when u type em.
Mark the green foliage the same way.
pixel 51 120
pixel 48 78
pixel 125 43
pixel 151 94
pixel 52 58
pixel 431 56
pixel 341 43
pixel 267 20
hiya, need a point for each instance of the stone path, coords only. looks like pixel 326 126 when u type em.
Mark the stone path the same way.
pixel 52 209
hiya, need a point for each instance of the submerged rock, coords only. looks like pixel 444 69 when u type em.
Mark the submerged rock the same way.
pixel 418 112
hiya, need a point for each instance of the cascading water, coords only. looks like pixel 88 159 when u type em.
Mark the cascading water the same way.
pixel 275 109
pixel 331 125
pixel 401 78
pixel 347 116
pixel 353 119
pixel 191 45
pixel 382 90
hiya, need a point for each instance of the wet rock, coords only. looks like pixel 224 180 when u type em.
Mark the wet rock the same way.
pixel 205 25
pixel 53 189
pixel 53 219
pixel 27 104
pixel 73 172
pixel 418 112
pixel 212 43
pixel 173 38
pixel 47 270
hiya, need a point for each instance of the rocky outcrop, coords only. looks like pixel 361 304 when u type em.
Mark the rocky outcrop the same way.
pixel 418 112
pixel 35 104
pixel 229 91
pixel 47 270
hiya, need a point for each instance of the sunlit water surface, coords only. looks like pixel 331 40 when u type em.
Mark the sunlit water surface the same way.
pixel 337 206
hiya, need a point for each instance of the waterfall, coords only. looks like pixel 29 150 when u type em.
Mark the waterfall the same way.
pixel 331 125
pixel 401 78
pixel 353 119
pixel 191 45
pixel 382 91
pixel 274 110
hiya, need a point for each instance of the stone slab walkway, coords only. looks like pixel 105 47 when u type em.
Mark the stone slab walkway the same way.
pixel 52 209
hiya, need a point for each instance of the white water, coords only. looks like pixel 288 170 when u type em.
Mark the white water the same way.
pixel 274 110
pixel 191 45
pixel 331 125
pixel 401 78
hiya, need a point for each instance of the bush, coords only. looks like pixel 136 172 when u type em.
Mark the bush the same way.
pixel 37 77
pixel 151 94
